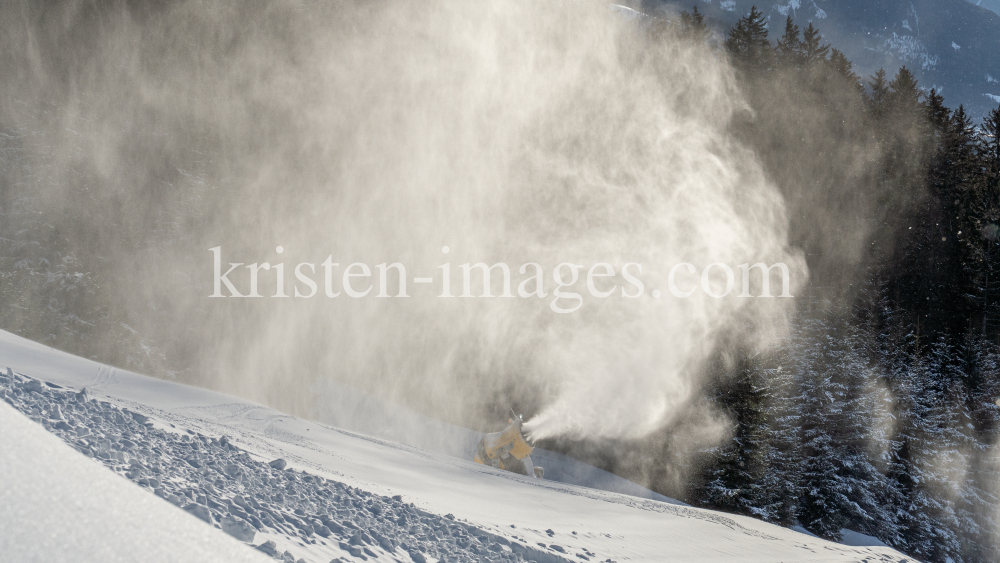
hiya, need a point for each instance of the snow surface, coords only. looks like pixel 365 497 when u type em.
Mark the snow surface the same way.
pixel 390 501
pixel 991 5
pixel 349 409
pixel 58 506
pixel 910 49
pixel 792 6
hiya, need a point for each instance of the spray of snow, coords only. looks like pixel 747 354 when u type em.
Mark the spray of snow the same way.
pixel 380 132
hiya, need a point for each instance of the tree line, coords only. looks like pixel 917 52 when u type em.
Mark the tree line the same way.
pixel 879 413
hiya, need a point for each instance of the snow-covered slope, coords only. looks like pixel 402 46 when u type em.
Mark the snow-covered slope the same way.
pixel 345 494
pixel 991 5
pixel 346 408
pixel 57 506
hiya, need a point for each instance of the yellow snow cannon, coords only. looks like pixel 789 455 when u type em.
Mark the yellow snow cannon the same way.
pixel 508 450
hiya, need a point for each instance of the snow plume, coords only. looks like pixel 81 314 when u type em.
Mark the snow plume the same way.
pixel 379 132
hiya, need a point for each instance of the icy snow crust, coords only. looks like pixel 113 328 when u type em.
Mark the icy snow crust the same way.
pixel 58 507
pixel 224 486
pixel 342 495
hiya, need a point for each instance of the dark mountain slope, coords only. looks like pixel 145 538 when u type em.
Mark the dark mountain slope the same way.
pixel 951 45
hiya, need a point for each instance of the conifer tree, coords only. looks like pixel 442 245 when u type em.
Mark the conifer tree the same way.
pixel 845 69
pixel 693 25
pixel 979 527
pixel 938 116
pixel 812 51
pixel 863 435
pixel 780 486
pixel 843 435
pixel 905 95
pixel 878 340
pixel 991 147
pixel 949 138
pixel 981 225
pixel 748 43
pixel 974 498
pixel 821 396
pixel 880 93
pixel 790 49
pixel 926 451
pixel 732 479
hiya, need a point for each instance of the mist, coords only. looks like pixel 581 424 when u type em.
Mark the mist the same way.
pixel 381 132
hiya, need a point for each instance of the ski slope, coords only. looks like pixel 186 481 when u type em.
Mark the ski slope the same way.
pixel 443 500
pixel 59 507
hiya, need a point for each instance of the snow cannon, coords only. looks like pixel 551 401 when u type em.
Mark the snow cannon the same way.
pixel 508 450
